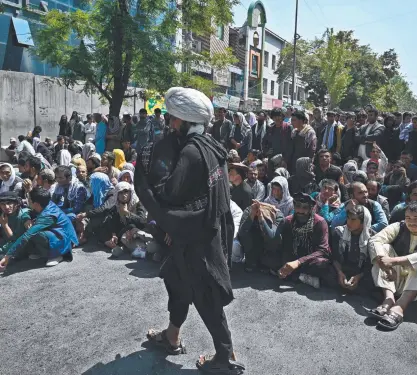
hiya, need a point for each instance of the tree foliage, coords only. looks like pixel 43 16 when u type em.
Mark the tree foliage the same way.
pixel 339 71
pixel 112 44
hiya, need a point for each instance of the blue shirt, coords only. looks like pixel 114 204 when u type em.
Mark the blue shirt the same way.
pixel 378 217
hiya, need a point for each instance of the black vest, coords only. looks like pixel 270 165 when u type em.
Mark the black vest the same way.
pixel 401 244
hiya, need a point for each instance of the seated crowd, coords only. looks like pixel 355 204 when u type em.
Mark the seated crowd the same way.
pixel 327 202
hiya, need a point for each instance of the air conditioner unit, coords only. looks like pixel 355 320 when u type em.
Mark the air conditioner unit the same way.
pixel 196 46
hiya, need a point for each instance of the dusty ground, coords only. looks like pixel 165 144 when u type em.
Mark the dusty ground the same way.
pixel 90 317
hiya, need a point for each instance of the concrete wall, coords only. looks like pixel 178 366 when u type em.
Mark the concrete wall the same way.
pixel 27 100
pixel 17 114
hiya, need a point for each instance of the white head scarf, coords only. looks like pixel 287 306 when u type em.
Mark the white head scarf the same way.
pixel 64 157
pixel 364 236
pixel 189 105
pixel 285 205
pixel 244 126
pixel 251 118
pixel 5 185
pixel 134 200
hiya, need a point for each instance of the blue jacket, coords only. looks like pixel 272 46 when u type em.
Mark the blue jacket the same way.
pixel 60 233
pixel 378 217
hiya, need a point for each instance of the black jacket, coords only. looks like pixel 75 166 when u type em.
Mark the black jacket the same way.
pixel 375 134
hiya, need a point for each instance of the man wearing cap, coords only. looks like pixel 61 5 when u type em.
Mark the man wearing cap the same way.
pixel 13 219
pixel 11 150
pixel 193 208
pixel 241 192
pixel 305 245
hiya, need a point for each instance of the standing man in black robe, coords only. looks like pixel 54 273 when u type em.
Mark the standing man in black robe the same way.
pixel 192 206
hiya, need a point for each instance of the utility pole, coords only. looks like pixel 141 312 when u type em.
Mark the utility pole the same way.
pixel 294 55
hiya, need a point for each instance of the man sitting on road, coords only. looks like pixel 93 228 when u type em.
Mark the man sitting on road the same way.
pixel 393 254
pixel 305 245
pixel 359 195
pixel 51 236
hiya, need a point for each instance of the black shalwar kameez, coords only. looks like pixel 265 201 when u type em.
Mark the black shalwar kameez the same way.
pixel 192 205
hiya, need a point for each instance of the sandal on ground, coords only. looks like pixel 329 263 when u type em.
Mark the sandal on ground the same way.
pixel 378 312
pixel 208 365
pixel 160 338
pixel 390 321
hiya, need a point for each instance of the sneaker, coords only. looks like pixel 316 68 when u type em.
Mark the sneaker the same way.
pixel 310 280
pixel 139 253
pixel 54 261
pixel 34 257
pixel 117 251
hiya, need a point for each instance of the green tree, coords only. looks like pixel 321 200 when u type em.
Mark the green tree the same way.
pixel 112 43
pixel 333 57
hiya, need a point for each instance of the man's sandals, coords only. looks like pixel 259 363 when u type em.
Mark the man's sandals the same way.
pixel 387 319
pixel 209 365
pixel 390 321
pixel 378 312
pixel 160 338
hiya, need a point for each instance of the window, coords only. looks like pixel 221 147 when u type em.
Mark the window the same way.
pixel 266 58
pixel 265 86
pixel 22 32
pixel 220 32
pixel 272 88
pixel 300 93
pixel 274 62
pixel 286 88
pixel 280 91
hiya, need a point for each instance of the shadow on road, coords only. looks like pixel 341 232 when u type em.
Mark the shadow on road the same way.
pixel 23 266
pixel 144 269
pixel 144 362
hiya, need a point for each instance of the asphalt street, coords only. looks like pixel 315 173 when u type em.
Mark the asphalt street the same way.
pixel 90 317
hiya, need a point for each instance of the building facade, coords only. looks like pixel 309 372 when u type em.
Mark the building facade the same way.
pixel 19 20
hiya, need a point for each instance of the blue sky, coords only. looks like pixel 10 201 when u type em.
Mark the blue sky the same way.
pixel 383 24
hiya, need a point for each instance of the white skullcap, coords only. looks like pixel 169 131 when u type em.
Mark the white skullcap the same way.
pixel 189 105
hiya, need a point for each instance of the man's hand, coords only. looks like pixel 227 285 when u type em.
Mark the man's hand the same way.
pixel 130 234
pixel 341 278
pixel 350 204
pixel 81 216
pixel 114 181
pixel 333 198
pixel 28 224
pixel 288 269
pixel 385 262
pixel 3 263
pixel 124 210
pixel 27 185
pixel 4 219
pixel 354 281
pixel 238 146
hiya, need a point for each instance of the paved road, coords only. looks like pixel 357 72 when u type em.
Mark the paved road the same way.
pixel 90 317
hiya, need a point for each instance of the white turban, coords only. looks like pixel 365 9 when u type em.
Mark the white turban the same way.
pixel 189 105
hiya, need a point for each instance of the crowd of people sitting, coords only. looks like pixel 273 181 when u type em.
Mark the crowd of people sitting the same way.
pixel 328 201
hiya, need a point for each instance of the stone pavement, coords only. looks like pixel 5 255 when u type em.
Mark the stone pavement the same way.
pixel 90 317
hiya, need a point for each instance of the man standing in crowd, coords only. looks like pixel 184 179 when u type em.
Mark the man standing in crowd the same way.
pixel 128 132
pixel 90 128
pixel 158 125
pixel 278 137
pixel 196 272
pixel 318 123
pixel 259 131
pixel 143 130
pixel 330 137
pixel 221 128
pixel 304 138
pixel 368 134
